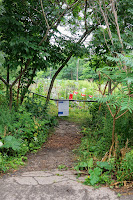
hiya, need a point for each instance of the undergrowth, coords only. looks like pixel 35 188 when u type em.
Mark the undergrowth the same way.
pixel 93 153
pixel 22 129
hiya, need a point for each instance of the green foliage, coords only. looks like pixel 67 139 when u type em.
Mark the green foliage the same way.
pixel 11 142
pixel 84 165
pixel 3 164
pixel 60 167
pixel 103 172
pixel 104 165
pixel 99 174
pixel 94 175
pixel 96 143
pixel 7 162
pixel 22 130
pixel 125 171
pixel 23 30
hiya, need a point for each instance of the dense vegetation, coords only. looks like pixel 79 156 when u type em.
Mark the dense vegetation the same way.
pixel 94 156
pixel 22 129
pixel 33 46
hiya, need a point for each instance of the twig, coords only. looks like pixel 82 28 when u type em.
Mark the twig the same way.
pixel 112 81
pixel 4 81
pixel 106 22
pixel 85 14
pixel 54 22
pixel 110 110
pixel 122 114
pixel 44 14
pixel 116 21
pixel 26 66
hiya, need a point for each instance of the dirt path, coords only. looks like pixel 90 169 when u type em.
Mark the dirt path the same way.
pixel 40 178
pixel 58 149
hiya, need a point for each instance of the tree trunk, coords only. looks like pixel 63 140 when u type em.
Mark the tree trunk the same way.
pixel 113 131
pixel 65 62
pixel 54 77
pixel 11 98
pixel 27 86
pixel 18 87
pixel 7 79
pixel 7 74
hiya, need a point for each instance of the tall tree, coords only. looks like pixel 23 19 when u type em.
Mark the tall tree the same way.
pixel 30 41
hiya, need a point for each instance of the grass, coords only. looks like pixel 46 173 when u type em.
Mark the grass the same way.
pixel 78 115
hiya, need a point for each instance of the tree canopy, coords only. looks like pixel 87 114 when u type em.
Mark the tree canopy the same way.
pixel 31 39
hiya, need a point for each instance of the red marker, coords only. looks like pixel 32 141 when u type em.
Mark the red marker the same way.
pixel 71 96
pixel 83 95
pixel 75 92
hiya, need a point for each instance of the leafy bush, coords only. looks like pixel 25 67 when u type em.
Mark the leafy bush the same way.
pixel 22 130
pixel 11 143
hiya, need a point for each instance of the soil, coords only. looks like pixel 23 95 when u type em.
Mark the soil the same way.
pixel 57 151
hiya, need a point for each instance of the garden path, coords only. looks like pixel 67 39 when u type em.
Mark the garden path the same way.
pixel 43 177
pixel 57 152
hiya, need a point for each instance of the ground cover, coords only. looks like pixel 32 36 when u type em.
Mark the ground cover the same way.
pixel 22 130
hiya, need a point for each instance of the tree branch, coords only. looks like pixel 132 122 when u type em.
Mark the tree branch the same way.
pixel 114 87
pixel 122 114
pixel 85 14
pixel 106 22
pixel 54 22
pixel 4 81
pixel 44 14
pixel 110 110
pixel 112 81
pixel 26 66
pixel 116 21
pixel 60 68
pixel 28 84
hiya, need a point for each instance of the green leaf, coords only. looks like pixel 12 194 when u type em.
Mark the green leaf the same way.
pixel 104 165
pixel 95 175
pixel 90 163
pixel 11 142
